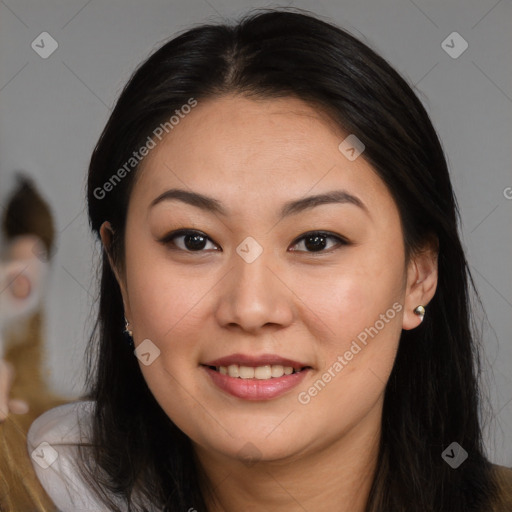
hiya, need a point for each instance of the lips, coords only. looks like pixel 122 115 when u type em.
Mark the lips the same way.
pixel 255 377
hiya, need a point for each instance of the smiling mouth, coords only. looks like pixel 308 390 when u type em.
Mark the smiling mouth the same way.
pixel 265 372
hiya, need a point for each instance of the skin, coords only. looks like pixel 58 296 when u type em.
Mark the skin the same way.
pixel 253 156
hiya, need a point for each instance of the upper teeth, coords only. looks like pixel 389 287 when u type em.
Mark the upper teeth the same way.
pixel 259 372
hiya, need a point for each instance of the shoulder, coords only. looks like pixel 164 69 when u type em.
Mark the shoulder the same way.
pixel 62 424
pixel 52 442
pixel 503 477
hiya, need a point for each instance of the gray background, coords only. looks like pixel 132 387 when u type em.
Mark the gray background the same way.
pixel 53 110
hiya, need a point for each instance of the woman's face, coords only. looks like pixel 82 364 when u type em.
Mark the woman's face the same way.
pixel 275 280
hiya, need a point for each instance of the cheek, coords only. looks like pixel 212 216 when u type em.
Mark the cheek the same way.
pixel 357 346
pixel 360 304
pixel 355 363
pixel 346 299
pixel 162 296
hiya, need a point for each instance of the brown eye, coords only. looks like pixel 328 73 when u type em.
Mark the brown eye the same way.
pixel 187 240
pixel 317 241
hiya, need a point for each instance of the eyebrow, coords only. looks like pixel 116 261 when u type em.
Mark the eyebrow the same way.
pixel 293 207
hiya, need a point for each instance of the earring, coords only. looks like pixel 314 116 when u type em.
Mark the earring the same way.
pixel 128 332
pixel 420 311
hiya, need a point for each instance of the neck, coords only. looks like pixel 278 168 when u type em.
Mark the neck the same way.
pixel 338 476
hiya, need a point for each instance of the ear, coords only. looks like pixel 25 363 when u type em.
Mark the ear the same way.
pixel 422 273
pixel 107 233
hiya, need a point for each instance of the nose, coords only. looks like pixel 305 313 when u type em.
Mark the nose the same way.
pixel 255 296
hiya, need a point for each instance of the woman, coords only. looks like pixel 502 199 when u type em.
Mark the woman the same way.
pixel 283 320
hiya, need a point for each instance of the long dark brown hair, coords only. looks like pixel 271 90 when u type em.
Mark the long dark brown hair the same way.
pixel 432 397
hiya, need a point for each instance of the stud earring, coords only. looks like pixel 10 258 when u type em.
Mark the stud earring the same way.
pixel 420 311
pixel 128 332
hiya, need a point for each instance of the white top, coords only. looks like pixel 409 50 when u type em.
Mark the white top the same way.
pixel 52 445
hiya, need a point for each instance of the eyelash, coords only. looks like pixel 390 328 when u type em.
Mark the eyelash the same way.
pixel 168 240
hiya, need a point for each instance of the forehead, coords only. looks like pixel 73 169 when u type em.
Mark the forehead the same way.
pixel 255 151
